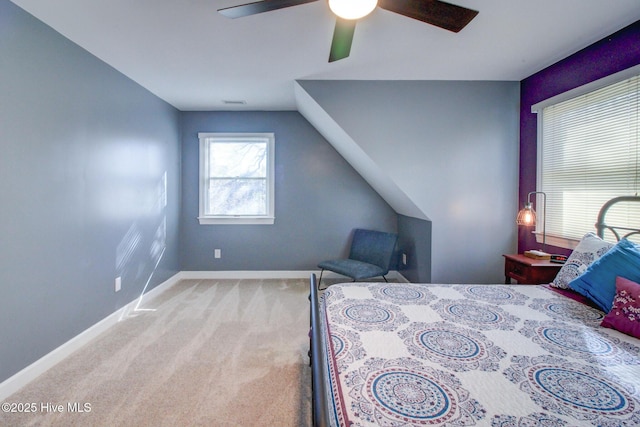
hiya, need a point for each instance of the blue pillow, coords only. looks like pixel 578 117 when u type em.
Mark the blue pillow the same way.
pixel 598 282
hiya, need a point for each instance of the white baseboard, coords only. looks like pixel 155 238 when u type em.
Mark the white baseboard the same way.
pixel 398 276
pixel 28 374
pixel 275 274
pixel 232 274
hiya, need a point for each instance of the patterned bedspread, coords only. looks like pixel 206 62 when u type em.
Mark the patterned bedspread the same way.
pixel 475 355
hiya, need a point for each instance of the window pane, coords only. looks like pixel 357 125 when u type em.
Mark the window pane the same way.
pixel 238 159
pixel 236 178
pixel 237 197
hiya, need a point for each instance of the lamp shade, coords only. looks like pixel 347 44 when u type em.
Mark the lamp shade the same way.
pixel 352 9
pixel 526 216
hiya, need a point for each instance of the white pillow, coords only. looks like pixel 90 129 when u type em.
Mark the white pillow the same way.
pixel 590 248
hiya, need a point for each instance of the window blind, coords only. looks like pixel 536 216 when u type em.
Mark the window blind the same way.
pixel 588 154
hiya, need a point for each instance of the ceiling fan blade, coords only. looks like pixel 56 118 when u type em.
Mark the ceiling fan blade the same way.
pixel 342 38
pixel 444 15
pixel 259 7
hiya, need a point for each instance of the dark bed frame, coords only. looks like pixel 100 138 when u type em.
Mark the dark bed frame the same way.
pixel 319 406
pixel 319 403
pixel 601 225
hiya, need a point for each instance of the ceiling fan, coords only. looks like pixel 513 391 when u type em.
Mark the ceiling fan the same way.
pixel 435 12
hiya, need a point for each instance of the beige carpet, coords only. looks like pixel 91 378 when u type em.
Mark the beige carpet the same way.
pixel 211 353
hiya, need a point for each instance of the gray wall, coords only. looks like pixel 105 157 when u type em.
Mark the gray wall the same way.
pixel 414 241
pixel 452 148
pixel 320 199
pixel 86 155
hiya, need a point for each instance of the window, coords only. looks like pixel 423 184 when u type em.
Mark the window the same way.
pixel 236 178
pixel 587 154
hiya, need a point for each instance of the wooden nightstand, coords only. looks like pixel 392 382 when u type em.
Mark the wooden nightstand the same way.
pixel 529 271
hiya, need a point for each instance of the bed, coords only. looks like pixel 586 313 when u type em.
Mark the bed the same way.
pixel 402 354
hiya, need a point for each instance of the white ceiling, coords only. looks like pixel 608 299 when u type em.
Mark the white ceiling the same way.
pixel 194 58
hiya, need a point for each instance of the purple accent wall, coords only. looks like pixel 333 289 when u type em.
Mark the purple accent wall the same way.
pixel 615 53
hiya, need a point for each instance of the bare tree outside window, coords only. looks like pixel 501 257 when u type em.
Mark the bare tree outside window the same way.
pixel 236 176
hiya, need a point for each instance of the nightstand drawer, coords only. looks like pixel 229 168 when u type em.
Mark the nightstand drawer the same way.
pixel 529 271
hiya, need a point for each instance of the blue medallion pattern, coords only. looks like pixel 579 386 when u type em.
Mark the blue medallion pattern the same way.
pixel 476 315
pixel 347 347
pixel 566 309
pixel 492 294
pixel 580 343
pixel 368 315
pixel 453 347
pixel 534 420
pixel 332 293
pixel 403 359
pixel 405 392
pixel 581 391
pixel 400 293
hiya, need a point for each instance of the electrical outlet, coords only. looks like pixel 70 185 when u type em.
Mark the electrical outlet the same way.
pixel 118 284
pixel 404 259
pixel 217 253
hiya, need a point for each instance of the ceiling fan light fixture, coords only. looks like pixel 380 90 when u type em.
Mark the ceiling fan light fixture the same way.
pixel 352 9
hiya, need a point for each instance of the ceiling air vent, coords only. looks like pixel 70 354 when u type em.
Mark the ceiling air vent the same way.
pixel 233 102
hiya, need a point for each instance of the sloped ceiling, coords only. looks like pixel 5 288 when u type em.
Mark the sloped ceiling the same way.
pixel 373 173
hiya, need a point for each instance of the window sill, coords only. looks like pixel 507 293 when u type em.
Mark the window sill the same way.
pixel 560 242
pixel 207 220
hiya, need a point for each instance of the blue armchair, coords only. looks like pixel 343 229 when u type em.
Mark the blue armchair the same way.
pixel 370 255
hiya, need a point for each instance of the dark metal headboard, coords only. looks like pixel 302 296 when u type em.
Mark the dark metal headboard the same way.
pixel 619 232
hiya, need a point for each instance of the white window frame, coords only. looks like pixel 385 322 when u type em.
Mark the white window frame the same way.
pixel 205 139
pixel 564 241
